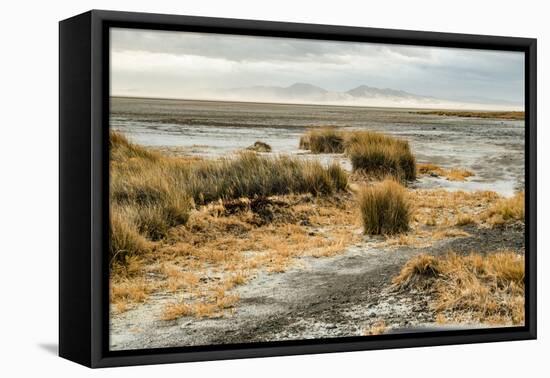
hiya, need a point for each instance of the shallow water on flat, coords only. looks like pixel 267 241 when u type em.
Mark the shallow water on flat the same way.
pixel 492 149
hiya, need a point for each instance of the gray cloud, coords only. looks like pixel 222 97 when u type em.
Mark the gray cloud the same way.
pixel 161 63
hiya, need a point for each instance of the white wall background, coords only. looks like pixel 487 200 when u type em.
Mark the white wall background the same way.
pixel 29 186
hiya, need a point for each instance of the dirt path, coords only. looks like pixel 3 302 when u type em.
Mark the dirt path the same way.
pixel 338 296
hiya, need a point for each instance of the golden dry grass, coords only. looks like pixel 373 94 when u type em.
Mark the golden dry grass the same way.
pixel 472 288
pixel 230 249
pixel 378 328
pixel 384 208
pixel 453 174
pixel 323 140
pixel 126 292
pixel 429 168
pixel 212 309
pixel 465 219
pixel 380 155
pixel 126 241
pixel 439 214
pixel 458 174
pixel 220 248
pixel 506 210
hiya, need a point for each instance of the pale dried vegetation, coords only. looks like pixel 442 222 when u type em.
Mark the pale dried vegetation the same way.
pixel 377 328
pixel 223 246
pixel 506 210
pixel 474 288
pixel 453 174
pixel 440 214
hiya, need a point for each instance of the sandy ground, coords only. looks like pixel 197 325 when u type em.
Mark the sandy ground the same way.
pixel 337 296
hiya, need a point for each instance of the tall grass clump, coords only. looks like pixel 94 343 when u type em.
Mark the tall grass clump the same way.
pixel 125 239
pixel 153 202
pixel 381 155
pixel 145 201
pixel 323 140
pixel 122 149
pixel 384 208
pixel 250 175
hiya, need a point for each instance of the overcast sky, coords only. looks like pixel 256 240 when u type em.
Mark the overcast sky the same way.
pixel 179 64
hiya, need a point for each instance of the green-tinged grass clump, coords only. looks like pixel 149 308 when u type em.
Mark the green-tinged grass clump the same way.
pixel 250 175
pixel 323 140
pixel 385 208
pixel 151 193
pixel 125 238
pixel 381 155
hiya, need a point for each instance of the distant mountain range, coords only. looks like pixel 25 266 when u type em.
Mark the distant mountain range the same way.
pixel 363 95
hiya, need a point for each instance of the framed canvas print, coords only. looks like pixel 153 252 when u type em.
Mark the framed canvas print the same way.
pixel 234 188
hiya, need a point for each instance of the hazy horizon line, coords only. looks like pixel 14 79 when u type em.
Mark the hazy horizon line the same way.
pixel 310 103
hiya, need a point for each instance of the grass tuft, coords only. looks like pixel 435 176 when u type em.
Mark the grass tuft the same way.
pixel 506 210
pixel 378 328
pixel 384 208
pixel 125 239
pixel 381 155
pixel 453 174
pixel 470 288
pixel 417 272
pixel 458 174
pixel 323 140
pixel 465 220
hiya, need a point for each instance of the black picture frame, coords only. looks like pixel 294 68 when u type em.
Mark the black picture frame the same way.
pixel 83 196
